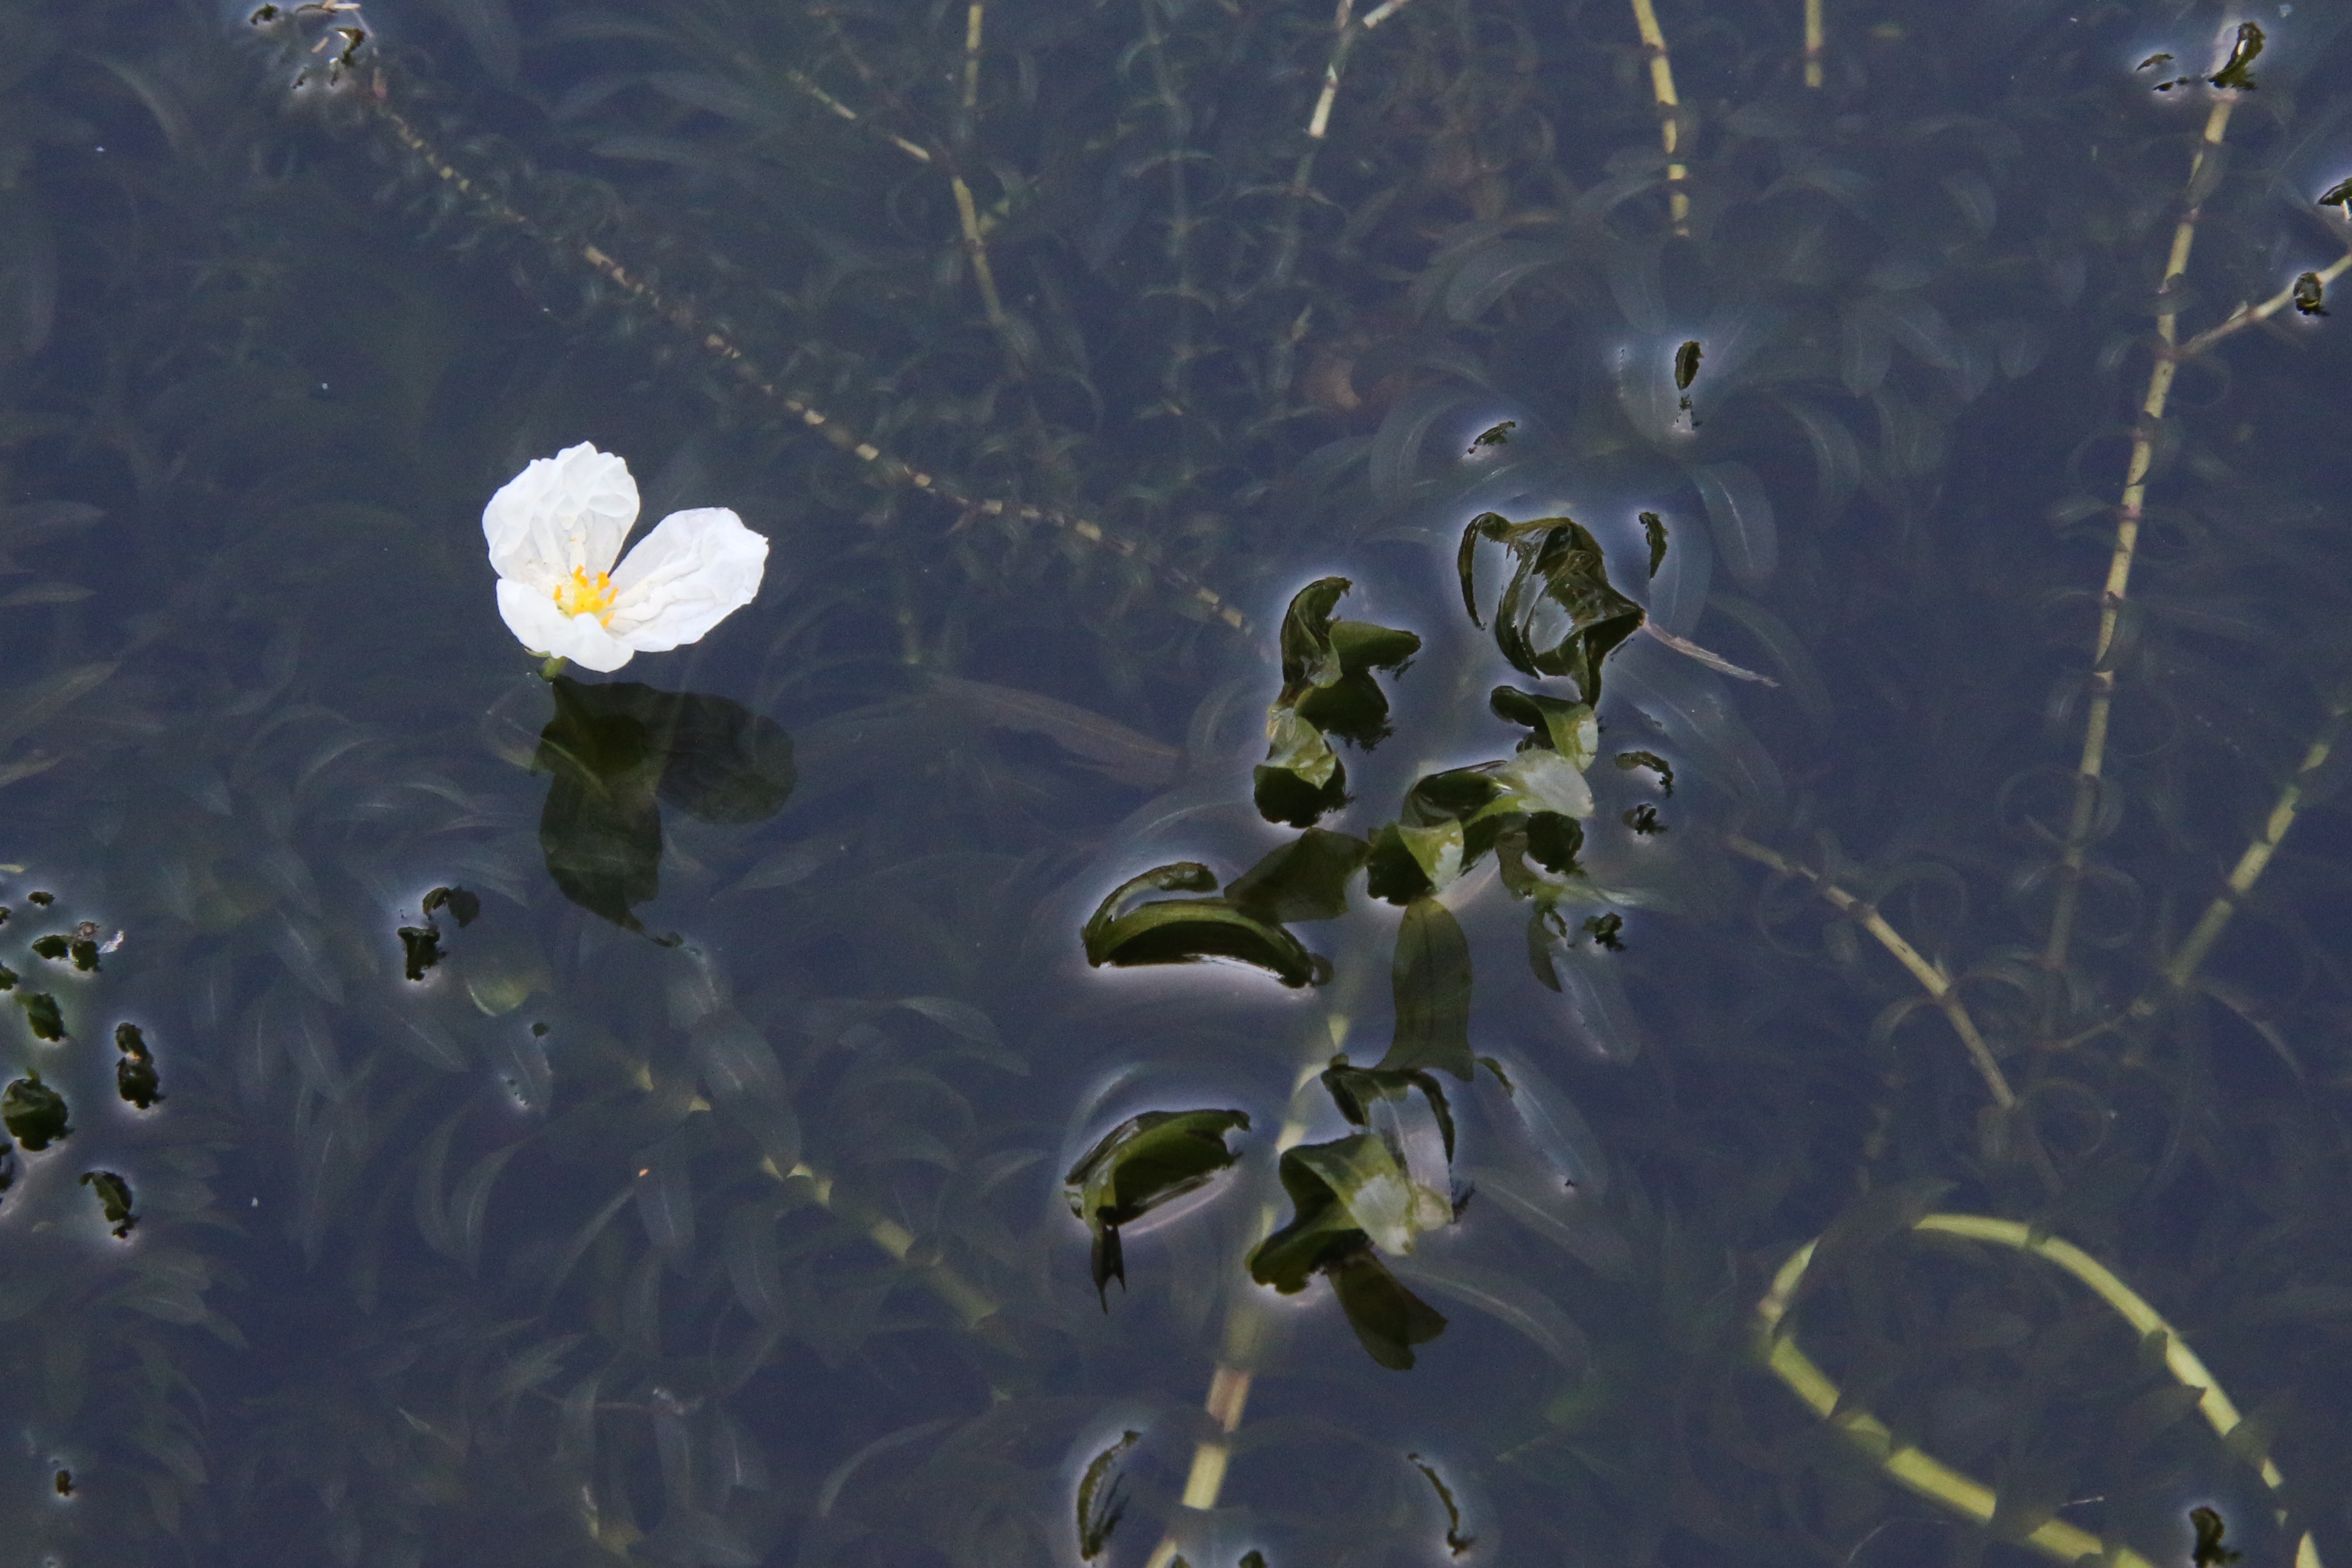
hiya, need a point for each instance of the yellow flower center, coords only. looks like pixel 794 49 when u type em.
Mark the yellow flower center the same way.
pixel 584 595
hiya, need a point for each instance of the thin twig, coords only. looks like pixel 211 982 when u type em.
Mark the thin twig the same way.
pixel 682 316
pixel 2251 314
pixel 2182 966
pixel 1662 87
pixel 2089 770
pixel 1930 976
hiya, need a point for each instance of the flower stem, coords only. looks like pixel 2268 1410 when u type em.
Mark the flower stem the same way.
pixel 551 666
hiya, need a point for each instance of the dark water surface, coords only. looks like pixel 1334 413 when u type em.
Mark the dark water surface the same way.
pixel 536 1116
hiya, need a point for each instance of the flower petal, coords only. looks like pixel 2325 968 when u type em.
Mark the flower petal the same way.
pixel 532 615
pixel 568 512
pixel 691 573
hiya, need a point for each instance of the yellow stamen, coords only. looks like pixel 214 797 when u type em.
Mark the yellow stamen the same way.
pixel 584 595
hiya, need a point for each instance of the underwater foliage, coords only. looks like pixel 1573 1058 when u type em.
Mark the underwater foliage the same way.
pixel 566 1121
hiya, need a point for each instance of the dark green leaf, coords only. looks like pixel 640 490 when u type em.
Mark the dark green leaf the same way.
pixel 1389 1320
pixel 421 945
pixel 2310 295
pixel 1100 1506
pixel 2151 61
pixel 1629 760
pixel 2339 194
pixel 135 1080
pixel 1555 562
pixel 7 1164
pixel 7 978
pixel 1282 796
pixel 617 750
pixel 1559 724
pixel 84 953
pixel 462 905
pixel 1604 930
pixel 1390 871
pixel 1494 436
pixel 1329 668
pixel 2237 71
pixel 1184 930
pixel 51 947
pixel 1137 1165
pixel 1306 878
pixel 1355 1089
pixel 1643 819
pixel 130 1040
pixel 1431 978
pixel 34 1114
pixel 40 900
pixel 41 1013
pixel 1686 359
pixel 1654 529
pixel 114 1194
pixel 1325 1183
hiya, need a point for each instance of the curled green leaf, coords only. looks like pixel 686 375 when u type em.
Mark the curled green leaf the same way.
pixel 114 1197
pixel 1100 1507
pixel 1142 1163
pixel 2238 70
pixel 41 1014
pixel 1186 930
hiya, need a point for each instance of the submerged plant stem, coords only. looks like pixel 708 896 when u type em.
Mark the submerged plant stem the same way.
pixel 1816 37
pixel 1246 1320
pixel 2089 769
pixel 1661 87
pixel 1930 976
pixel 2181 969
pixel 1939 1482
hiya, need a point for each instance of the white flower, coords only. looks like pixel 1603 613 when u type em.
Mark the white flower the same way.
pixel 556 528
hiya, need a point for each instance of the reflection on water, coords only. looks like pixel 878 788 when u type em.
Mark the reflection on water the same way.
pixel 1542 1096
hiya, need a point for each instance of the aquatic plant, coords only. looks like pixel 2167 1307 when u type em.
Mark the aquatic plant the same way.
pixel 1056 348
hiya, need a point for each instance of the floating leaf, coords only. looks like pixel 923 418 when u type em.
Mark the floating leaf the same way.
pixel 1455 1542
pixel 2237 72
pixel 34 1114
pixel 41 1013
pixel 52 948
pixel 1306 878
pixel 2339 194
pixel 1185 930
pixel 1604 929
pixel 114 1194
pixel 1494 436
pixel 1357 1090
pixel 463 906
pixel 7 978
pixel 135 1080
pixel 1653 530
pixel 1327 666
pixel 1643 819
pixel 1431 978
pixel 1686 359
pixel 1629 760
pixel 2310 295
pixel 2152 61
pixel 1099 1505
pixel 84 951
pixel 1558 569
pixel 1137 1165
pixel 1324 1237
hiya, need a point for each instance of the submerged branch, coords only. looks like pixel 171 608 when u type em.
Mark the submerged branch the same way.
pixel 1938 1482
pixel 1661 87
pixel 2093 763
pixel 1930 976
